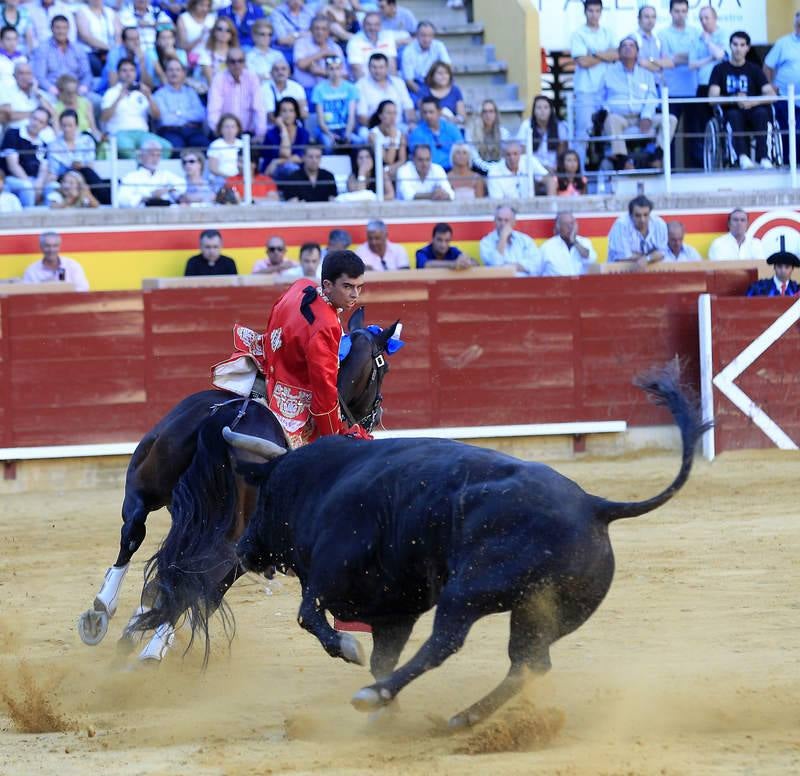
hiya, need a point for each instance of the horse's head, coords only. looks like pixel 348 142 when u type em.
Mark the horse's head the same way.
pixel 362 369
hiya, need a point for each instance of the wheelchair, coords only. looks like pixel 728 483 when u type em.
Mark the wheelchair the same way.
pixel 718 150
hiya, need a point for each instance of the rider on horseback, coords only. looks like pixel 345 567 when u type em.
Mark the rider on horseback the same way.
pixel 302 351
pixel 299 353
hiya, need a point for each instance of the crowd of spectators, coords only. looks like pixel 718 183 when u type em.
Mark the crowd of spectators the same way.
pixel 298 78
pixel 617 84
pixel 638 239
pixel 294 75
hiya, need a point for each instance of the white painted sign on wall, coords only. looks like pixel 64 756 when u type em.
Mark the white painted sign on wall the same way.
pixel 560 18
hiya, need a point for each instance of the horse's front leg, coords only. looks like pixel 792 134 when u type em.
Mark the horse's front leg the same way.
pixel 312 617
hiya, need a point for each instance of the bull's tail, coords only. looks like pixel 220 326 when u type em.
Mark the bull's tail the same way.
pixel 196 555
pixel 664 387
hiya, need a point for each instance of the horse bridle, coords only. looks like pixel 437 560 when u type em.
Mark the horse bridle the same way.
pixel 378 361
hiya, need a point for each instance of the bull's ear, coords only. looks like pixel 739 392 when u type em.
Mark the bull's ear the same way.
pixel 356 320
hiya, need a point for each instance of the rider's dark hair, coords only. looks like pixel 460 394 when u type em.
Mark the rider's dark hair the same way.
pixel 338 263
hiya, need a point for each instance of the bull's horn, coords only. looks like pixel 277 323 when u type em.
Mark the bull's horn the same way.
pixel 266 449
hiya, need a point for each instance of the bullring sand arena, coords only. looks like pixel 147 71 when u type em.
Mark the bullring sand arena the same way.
pixel 690 666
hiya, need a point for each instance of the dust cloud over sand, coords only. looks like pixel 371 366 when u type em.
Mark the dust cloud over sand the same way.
pixel 690 665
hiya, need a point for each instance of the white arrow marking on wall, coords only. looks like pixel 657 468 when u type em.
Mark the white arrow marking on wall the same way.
pixel 724 380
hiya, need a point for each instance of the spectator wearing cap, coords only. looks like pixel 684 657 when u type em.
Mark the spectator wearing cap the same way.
pixel 434 131
pixel 736 243
pixel 378 253
pixel 371 40
pixel 311 53
pixel 244 15
pixel 335 103
pixel 781 283
pixel 238 91
pixel 421 55
pixel 181 112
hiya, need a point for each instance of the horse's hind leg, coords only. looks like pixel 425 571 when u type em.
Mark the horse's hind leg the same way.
pixel 164 636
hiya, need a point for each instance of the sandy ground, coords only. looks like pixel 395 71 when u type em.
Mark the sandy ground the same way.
pixel 691 665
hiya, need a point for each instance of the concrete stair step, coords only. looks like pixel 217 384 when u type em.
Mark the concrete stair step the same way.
pixel 475 94
pixel 461 34
pixel 472 55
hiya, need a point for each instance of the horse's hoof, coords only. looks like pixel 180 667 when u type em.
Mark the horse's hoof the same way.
pixel 92 626
pixel 459 721
pixel 370 699
pixel 351 649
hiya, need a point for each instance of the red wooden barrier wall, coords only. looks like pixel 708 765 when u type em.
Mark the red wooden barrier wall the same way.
pixel 81 368
pixel 772 381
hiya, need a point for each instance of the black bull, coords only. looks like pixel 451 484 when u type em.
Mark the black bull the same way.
pixel 382 531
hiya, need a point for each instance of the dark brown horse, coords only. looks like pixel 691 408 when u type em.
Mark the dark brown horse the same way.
pixel 180 465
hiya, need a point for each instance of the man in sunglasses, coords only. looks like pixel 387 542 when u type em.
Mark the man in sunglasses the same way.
pixel 238 91
pixel 276 262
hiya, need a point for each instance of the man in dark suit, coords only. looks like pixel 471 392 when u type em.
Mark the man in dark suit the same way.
pixel 781 283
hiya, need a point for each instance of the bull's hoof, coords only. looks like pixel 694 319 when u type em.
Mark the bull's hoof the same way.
pixel 92 626
pixel 370 699
pixel 351 649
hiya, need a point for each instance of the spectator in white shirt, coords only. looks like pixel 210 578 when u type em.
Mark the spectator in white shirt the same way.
pixel 567 253
pixel 677 250
pixel 149 185
pixel 126 109
pixel 509 179
pixel 282 86
pixel 378 86
pixel 505 246
pixel 9 203
pixel 53 267
pixel 419 178
pixel 420 56
pixel 736 244
pixel 371 40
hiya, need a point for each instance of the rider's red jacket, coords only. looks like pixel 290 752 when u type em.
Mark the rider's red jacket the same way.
pixel 301 354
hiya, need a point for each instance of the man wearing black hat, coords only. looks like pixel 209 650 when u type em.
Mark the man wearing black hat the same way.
pixel 780 284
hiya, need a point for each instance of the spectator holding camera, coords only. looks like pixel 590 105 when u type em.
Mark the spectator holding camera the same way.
pixel 126 110
pixel 53 267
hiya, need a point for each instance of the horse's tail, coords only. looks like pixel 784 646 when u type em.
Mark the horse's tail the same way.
pixel 663 386
pixel 196 556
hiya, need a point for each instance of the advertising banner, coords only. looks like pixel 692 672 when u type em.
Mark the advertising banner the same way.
pixel 560 18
